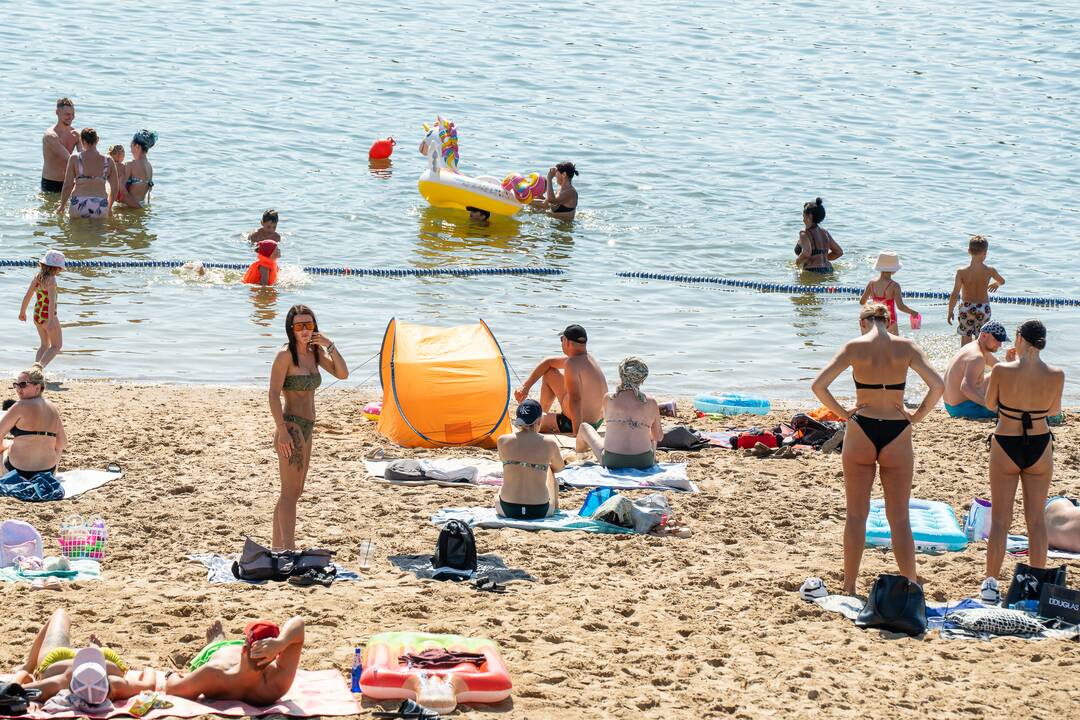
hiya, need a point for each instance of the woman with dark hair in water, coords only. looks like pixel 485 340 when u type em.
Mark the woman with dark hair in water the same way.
pixel 561 204
pixel 1023 392
pixel 816 248
pixel 295 374
pixel 140 174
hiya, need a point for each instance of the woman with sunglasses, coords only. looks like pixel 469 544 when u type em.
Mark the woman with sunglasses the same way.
pixel 36 429
pixel 295 375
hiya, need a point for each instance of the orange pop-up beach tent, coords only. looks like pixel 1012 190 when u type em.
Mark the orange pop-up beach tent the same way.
pixel 443 386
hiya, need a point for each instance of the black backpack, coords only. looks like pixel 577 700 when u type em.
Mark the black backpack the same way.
pixel 14 698
pixel 455 552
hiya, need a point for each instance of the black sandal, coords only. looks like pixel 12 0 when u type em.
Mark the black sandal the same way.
pixel 487 584
pixel 410 709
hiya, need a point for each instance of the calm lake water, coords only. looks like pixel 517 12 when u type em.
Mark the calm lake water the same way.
pixel 699 130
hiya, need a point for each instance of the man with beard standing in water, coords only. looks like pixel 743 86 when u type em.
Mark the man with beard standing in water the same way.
pixel 57 145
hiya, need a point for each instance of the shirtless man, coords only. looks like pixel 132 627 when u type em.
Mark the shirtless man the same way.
pixel 972 288
pixel 57 145
pixel 257 670
pixel 1063 523
pixel 968 372
pixel 575 380
pixel 93 674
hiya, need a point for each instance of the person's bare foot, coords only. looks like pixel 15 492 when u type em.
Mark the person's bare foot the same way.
pixel 215 632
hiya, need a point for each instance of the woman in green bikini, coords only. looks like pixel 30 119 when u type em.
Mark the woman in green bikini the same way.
pixel 295 375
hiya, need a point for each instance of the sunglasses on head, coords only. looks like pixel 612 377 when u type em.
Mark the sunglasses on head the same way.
pixel 303 325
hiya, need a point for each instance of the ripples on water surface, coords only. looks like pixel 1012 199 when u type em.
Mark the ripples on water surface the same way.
pixel 699 131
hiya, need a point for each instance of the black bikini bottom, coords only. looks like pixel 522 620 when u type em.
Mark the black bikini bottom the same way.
pixel 1023 450
pixel 881 432
pixel 517 511
pixel 26 474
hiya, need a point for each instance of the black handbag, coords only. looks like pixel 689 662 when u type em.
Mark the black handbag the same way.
pixel 895 603
pixel 258 563
pixel 1027 582
pixel 15 699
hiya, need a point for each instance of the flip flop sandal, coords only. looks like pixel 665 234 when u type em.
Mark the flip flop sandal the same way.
pixel 410 709
pixel 489 585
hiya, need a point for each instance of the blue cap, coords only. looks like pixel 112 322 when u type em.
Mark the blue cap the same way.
pixel 996 329
pixel 528 413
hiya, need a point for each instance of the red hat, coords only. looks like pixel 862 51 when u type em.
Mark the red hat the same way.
pixel 260 629
pixel 266 248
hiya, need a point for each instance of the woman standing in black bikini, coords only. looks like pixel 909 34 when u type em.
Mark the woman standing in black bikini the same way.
pixel 878 435
pixel 295 374
pixel 816 248
pixel 140 174
pixel 37 432
pixel 1024 392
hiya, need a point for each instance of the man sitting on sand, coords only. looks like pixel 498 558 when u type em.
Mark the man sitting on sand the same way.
pixel 94 675
pixel 1063 523
pixel 257 670
pixel 575 380
pixel 969 371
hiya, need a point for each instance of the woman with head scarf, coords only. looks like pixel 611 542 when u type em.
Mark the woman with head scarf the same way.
pixel 633 422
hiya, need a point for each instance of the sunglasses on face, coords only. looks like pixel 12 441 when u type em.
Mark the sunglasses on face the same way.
pixel 19 385
pixel 303 325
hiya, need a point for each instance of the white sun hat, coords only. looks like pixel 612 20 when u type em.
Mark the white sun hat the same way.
pixel 887 261
pixel 54 258
pixel 89 678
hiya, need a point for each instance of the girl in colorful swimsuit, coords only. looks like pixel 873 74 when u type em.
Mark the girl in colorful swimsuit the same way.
pixel 878 436
pixel 91 181
pixel 1023 392
pixel 295 375
pixel 885 290
pixel 43 290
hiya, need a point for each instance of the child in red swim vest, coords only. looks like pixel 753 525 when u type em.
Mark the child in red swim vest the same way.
pixel 264 270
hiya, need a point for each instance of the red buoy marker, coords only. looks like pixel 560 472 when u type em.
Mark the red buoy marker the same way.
pixel 381 149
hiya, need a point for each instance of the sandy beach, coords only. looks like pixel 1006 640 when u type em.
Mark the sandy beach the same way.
pixel 614 626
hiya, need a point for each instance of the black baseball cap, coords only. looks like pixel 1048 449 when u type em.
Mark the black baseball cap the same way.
pixel 528 412
pixel 575 333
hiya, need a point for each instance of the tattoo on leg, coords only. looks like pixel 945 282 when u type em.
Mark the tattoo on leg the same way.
pixel 297 458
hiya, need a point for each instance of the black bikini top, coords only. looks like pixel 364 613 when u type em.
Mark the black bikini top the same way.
pixel 18 432
pixel 879 386
pixel 1025 416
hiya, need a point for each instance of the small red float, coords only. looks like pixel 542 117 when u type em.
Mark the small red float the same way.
pixel 381 149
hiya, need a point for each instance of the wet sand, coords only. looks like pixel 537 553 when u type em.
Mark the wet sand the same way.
pixel 614 626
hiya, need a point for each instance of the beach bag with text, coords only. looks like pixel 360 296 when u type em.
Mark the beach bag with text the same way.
pixel 455 552
pixel 894 603
pixel 1058 601
pixel 1027 582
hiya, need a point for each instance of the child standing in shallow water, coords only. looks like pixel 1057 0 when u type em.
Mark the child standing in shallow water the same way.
pixel 885 290
pixel 972 288
pixel 43 289
pixel 116 152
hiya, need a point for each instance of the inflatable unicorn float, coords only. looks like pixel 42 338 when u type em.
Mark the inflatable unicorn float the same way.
pixel 444 186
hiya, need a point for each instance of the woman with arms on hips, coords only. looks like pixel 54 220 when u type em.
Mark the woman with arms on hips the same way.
pixel 878 435
pixel 295 376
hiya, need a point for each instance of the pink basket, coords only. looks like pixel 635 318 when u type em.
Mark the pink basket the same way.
pixel 83 539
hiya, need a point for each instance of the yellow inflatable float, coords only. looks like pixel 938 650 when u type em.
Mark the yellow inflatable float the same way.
pixel 444 186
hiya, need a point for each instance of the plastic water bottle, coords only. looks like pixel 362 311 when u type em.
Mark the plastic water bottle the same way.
pixel 357 669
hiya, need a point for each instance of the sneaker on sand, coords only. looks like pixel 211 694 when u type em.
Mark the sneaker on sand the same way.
pixel 812 589
pixel 989 592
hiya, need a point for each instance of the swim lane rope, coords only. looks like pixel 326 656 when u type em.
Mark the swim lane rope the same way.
pixel 376 272
pixel 835 289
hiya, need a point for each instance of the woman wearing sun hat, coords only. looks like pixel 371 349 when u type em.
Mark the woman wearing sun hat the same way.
pixel 885 290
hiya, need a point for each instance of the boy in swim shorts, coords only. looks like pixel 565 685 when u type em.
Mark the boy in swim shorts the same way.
pixel 267 230
pixel 972 287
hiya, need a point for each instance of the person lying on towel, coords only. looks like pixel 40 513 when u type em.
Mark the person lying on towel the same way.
pixel 88 679
pixel 1063 523
pixel 257 670
pixel 530 461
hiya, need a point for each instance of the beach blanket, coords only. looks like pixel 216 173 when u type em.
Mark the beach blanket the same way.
pixel 46 487
pixel 83 570
pixel 219 570
pixel 485 517
pixel 936 614
pixel 439 471
pixel 313 693
pixel 663 476
pixel 1018 545
pixel 487 566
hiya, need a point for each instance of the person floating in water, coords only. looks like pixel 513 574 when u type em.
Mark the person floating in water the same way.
pixel 972 288
pixel 264 270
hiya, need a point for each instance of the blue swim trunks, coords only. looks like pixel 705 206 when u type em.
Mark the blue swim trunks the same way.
pixel 971 410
